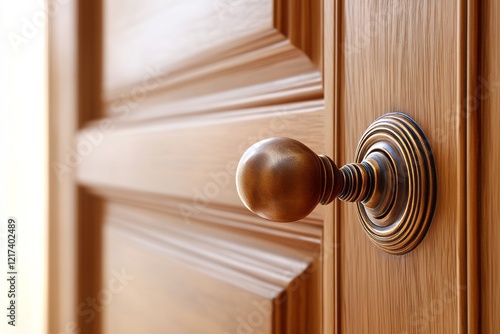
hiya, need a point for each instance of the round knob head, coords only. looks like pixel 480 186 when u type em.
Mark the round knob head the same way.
pixel 280 179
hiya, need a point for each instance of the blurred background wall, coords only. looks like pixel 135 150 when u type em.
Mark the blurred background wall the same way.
pixel 23 154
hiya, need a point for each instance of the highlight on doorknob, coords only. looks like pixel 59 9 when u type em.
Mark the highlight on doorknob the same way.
pixel 392 181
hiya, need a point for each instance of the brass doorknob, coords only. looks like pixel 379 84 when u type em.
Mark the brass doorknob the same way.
pixel 282 180
pixel 393 181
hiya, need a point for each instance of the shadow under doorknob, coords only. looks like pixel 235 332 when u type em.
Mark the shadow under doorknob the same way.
pixel 393 181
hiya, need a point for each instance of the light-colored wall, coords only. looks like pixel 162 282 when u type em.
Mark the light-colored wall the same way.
pixel 23 154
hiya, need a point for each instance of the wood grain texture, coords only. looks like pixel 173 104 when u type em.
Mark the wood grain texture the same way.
pixel 203 278
pixel 404 57
pixel 489 97
pixel 169 33
pixel 89 207
pixel 275 73
pixel 461 175
pixel 268 57
pixel 299 21
pixel 300 234
pixel 332 221
pixel 187 89
pixel 90 260
pixel 63 122
pixel 193 160
pixel 473 182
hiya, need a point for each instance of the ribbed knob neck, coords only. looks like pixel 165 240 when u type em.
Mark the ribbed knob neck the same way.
pixel 332 180
pixel 358 180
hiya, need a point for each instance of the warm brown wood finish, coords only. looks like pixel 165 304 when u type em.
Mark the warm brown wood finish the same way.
pixel 199 161
pixel 186 89
pixel 488 96
pixel 400 56
pixel 63 122
pixel 152 105
pixel 201 279
pixel 237 39
pixel 331 227
pixel 90 207
pixel 472 184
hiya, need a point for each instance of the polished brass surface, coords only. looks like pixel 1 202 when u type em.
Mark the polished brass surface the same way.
pixel 282 180
pixel 399 220
pixel 393 181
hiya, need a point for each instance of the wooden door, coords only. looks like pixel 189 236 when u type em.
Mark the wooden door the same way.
pixel 170 94
pixel 422 58
pixel 153 103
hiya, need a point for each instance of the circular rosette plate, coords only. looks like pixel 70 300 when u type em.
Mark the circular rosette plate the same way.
pixel 398 218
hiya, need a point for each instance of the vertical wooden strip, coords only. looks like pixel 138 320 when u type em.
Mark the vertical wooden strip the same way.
pixel 473 157
pixel 462 168
pixel 338 154
pixel 328 226
pixel 280 16
pixel 294 23
pixel 333 137
pixel 62 31
pixel 90 64
pixel 90 255
pixel 90 58
pixel 302 22
pixel 488 93
pixel 316 29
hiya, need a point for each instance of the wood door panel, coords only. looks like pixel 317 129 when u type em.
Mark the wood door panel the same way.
pixel 195 159
pixel 163 60
pixel 165 167
pixel 404 56
pixel 198 279
pixel 488 94
pixel 185 298
pixel 163 33
pixel 185 93
pixel 269 73
pixel 162 98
